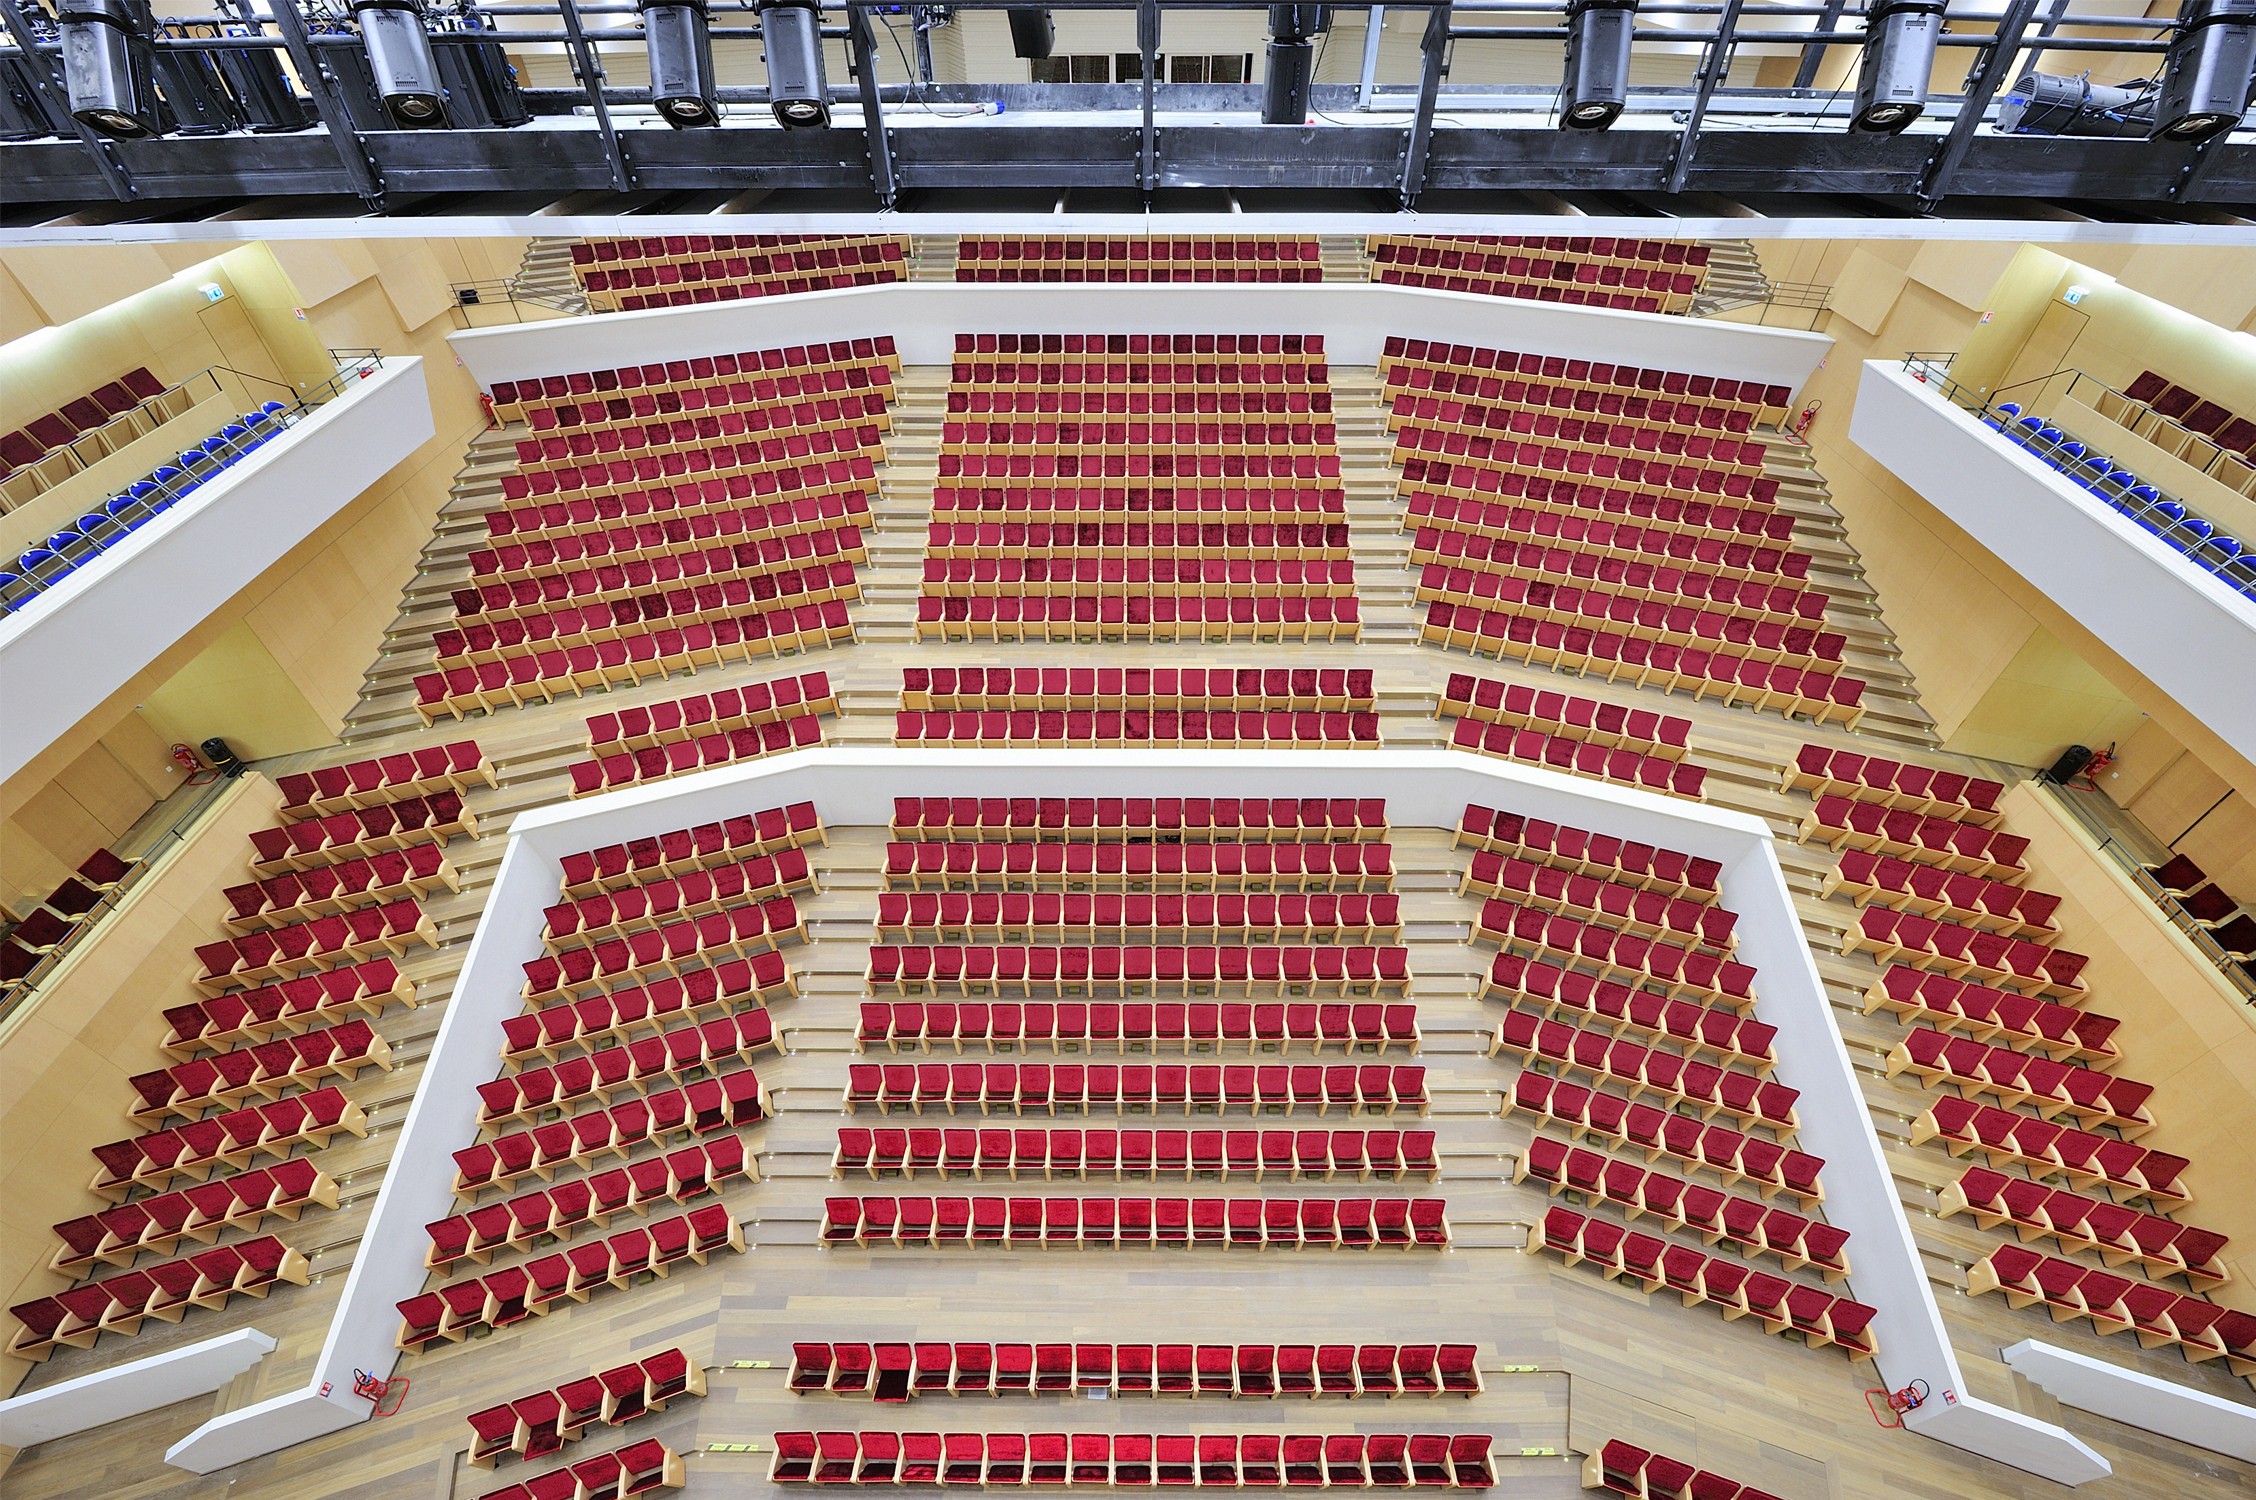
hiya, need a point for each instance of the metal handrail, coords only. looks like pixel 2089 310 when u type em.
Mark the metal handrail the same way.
pixel 508 290
pixel 1812 297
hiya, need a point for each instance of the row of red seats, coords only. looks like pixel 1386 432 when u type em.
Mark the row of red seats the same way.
pixel 43 929
pixel 723 709
pixel 1140 687
pixel 1558 396
pixel 612 913
pixel 224 1080
pixel 1136 727
pixel 600 1074
pixel 1712 1090
pixel 1903 885
pixel 1084 542
pixel 1893 783
pixel 1173 384
pixel 1820 1317
pixel 1448 531
pixel 594 522
pixel 1953 843
pixel 1583 757
pixel 1186 572
pixel 890 1373
pixel 537 1425
pixel 1191 1025
pixel 2085 1158
pixel 2201 1329
pixel 280 900
pixel 636 1469
pixel 1676 968
pixel 1064 431
pixel 740 930
pixel 705 471
pixel 1102 504
pixel 1268 969
pixel 1667 290
pixel 1479 469
pixel 1024 1087
pixel 706 751
pixel 1728 1034
pixel 1762 622
pixel 1366 918
pixel 730 277
pixel 514 1293
pixel 313 945
pixel 1491 700
pixel 1749 1224
pixel 58 429
pixel 1736 679
pixel 1666 252
pixel 292 1006
pixel 1120 819
pixel 1732 1155
pixel 1487 503
pixel 624 1012
pixel 1752 394
pixel 1627 1469
pixel 725 439
pixel 701 1108
pixel 1476 252
pixel 619 584
pixel 1963 1005
pixel 1150 1155
pixel 682 537
pixel 386 778
pixel 1928 943
pixel 1628 904
pixel 1671 871
pixel 803 406
pixel 2120 1234
pixel 511 398
pixel 1250 1223
pixel 161 1221
pixel 2055 1088
pixel 1008 258
pixel 1007 462
pixel 559 1211
pixel 1525 416
pixel 1267 344
pixel 165 1290
pixel 1134 1460
pixel 233 1139
pixel 1139 617
pixel 660 247
pixel 1204 866
pixel 771 830
pixel 363 831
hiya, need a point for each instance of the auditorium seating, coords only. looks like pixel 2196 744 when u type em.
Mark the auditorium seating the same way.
pixel 233 1139
pixel 292 1006
pixel 1948 843
pixel 2201 1329
pixel 1139 819
pixel 935 865
pixel 223 1080
pixel 865 363
pixel 1122 1155
pixel 360 832
pixel 2121 1235
pixel 1996 906
pixel 1086 707
pixel 691 893
pixel 629 275
pixel 703 730
pixel 681 850
pixel 570 1025
pixel 573 1204
pixel 329 890
pixel 532 1092
pixel 538 1425
pixel 1712 1090
pixel 1988 1013
pixel 2053 1088
pixel 284 952
pixel 163 1290
pixel 1007 258
pixel 1270 1222
pixel 991 915
pixel 636 1469
pixel 1623 1468
pixel 1681 970
pixel 54 445
pixel 387 778
pixel 699 1108
pixel 2007 962
pixel 1625 275
pixel 891 1373
pixel 496 1300
pixel 2047 1149
pixel 1578 850
pixel 1735 1157
pixel 47 926
pixel 1135 1025
pixel 158 1223
pixel 1264 970
pixel 2213 438
pixel 1894 784
pixel 1635 746
pixel 1729 1036
pixel 1136 1461
pixel 1651 1263
pixel 1145 1087
pixel 1144 432
pixel 2183 890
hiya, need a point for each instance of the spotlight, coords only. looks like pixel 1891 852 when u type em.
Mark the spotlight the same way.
pixel 798 92
pixel 399 57
pixel 681 62
pixel 106 67
pixel 2048 104
pixel 1899 56
pixel 1597 83
pixel 1033 34
pixel 2209 73
pixel 1292 62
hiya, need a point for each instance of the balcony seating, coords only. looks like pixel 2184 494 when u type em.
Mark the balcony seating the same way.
pixel 1712 1090
pixel 995 916
pixel 895 1373
pixel 1894 784
pixel 292 1006
pixel 540 1424
pixel 514 1293
pixel 2160 1246
pixel 2052 1088
pixel 1371 1089
pixel 157 1224
pixel 1989 1014
pixel 1148 1155
pixel 1751 1226
pixel 1015 258
pixel 872 359
pixel 1685 971
pixel 700 1108
pixel 1266 1223
pixel 1135 1025
pixel 614 963
pixel 1627 905
pixel 2201 1329
pixel 1736 404
pixel 1929 891
pixel 362 783
pixel 165 1291
pixel 934 864
pixel 1090 706
pixel 1264 971
pixel 627 275
pixel 574 1204
pixel 1769 1166
pixel 360 833
pixel 708 729
pixel 234 1139
pixel 615 913
pixel 1652 1263
pixel 1569 751
pixel 1121 819
pixel 225 1079
pixel 1623 275
pixel 636 1469
pixel 332 890
pixel 41 454
pixel 285 952
pixel 2006 962
pixel 1135 1461
pixel 1967 848
pixel 1623 1468
pixel 573 1025
pixel 2046 1149
pixel 1726 1035
pixel 534 1091
pixel 1580 851
pixel 680 851
pixel 49 925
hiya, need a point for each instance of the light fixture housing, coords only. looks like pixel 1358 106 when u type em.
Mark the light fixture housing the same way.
pixel 1285 89
pixel 1597 81
pixel 1033 32
pixel 798 91
pixel 1899 58
pixel 680 43
pixel 400 61
pixel 106 67
pixel 2050 104
pixel 2209 72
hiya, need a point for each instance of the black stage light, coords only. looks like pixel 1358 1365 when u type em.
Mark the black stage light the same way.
pixel 1899 58
pixel 399 58
pixel 1597 84
pixel 254 76
pixel 106 67
pixel 1033 33
pixel 2049 104
pixel 25 114
pixel 2209 73
pixel 798 91
pixel 196 93
pixel 1292 62
pixel 680 43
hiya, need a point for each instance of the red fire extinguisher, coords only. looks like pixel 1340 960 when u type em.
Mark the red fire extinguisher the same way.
pixel 199 774
pixel 1801 423
pixel 1910 1398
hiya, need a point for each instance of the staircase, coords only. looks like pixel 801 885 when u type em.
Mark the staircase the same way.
pixel 1345 258
pixel 932 257
pixel 544 276
pixel 1734 278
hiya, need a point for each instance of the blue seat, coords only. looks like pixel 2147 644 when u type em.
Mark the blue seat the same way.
pixel 14 590
pixel 42 565
pixel 100 527
pixel 73 547
pixel 2071 452
pixel 272 408
pixel 2189 533
pixel 2219 552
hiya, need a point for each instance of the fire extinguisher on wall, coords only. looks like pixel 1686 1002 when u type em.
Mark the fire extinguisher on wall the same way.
pixel 187 760
pixel 1801 423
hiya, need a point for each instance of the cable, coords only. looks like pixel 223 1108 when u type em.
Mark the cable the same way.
pixel 916 90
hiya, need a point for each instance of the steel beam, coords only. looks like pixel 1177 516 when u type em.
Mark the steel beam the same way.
pixel 1805 73
pixel 1433 64
pixel 1147 47
pixel 114 175
pixel 878 147
pixel 1990 73
pixel 321 83
pixel 589 70
pixel 1712 69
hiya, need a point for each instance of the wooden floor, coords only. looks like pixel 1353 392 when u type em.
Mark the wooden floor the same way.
pixel 1571 1359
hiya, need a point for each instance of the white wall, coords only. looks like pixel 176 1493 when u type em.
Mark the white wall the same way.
pixel 146 1385
pixel 2138 1400
pixel 2183 628
pixel 98 628
pixel 1430 787
pixel 1355 321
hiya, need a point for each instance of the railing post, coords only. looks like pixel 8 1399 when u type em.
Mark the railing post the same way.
pixel 1433 65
